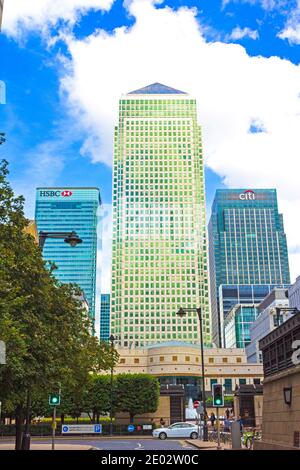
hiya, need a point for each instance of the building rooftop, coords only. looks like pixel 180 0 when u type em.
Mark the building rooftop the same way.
pixel 157 89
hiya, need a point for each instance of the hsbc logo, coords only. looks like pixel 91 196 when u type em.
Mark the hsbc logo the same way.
pixel 248 195
pixel 65 193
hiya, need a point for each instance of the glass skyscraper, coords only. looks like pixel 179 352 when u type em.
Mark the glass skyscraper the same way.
pixel 237 325
pixel 159 257
pixel 68 209
pixel 105 317
pixel 247 248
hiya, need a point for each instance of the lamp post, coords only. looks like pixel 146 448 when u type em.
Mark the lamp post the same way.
pixel 292 310
pixel 72 239
pixel 112 347
pixel 181 313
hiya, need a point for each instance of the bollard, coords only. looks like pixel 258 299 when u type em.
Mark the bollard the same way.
pixel 236 435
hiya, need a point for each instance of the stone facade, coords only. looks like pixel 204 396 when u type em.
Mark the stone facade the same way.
pixel 184 360
pixel 281 422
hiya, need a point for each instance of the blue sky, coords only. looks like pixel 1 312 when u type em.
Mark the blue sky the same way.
pixel 63 83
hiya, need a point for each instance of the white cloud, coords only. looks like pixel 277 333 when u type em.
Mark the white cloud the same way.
pixel 233 91
pixel 291 31
pixel 37 15
pixel 265 4
pixel 239 33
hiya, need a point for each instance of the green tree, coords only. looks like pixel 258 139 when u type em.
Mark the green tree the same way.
pixel 99 395
pixel 137 394
pixel 46 330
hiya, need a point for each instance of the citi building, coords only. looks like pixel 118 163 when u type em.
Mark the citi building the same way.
pixel 64 210
pixel 247 251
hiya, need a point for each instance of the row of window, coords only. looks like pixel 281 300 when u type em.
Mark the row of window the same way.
pixel 211 360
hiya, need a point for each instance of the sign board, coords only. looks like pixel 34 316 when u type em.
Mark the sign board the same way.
pixel 81 429
pixel 2 353
pixel 147 427
pixel 131 428
pixel 199 409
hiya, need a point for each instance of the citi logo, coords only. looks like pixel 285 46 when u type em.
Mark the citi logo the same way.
pixel 66 193
pixel 248 195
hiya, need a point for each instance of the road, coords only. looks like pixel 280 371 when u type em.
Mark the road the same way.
pixel 110 444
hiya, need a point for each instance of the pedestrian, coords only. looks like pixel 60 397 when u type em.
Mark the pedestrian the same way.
pixel 240 421
pixel 162 422
pixel 227 413
pixel 212 420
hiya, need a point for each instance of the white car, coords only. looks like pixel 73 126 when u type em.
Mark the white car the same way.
pixel 177 430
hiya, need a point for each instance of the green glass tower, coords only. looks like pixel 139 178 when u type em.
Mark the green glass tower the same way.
pixel 159 255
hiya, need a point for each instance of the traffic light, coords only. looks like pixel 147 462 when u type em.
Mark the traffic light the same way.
pixel 54 399
pixel 218 396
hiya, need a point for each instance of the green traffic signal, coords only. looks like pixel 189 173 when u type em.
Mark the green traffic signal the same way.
pixel 54 399
pixel 218 396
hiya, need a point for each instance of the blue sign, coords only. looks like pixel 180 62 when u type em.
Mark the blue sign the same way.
pixel 65 428
pixel 131 428
pixel 98 429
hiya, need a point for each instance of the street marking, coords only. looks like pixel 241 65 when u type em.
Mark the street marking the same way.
pixel 140 447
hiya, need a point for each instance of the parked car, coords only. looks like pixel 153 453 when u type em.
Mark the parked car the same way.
pixel 177 430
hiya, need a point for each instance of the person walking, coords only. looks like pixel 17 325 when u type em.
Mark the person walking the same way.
pixel 227 413
pixel 212 420
pixel 162 422
pixel 240 421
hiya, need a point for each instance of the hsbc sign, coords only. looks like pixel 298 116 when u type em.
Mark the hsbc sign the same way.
pixel 65 193
pixel 248 195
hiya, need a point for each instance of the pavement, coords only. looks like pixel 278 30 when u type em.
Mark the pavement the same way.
pixel 207 445
pixel 104 443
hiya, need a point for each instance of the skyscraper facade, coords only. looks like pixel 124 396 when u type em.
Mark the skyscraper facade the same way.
pixel 159 254
pixel 247 246
pixel 68 209
pixel 105 317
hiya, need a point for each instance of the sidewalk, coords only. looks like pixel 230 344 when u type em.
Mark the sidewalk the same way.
pixel 48 447
pixel 207 445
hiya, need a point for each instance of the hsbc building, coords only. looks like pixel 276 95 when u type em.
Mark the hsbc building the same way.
pixel 68 209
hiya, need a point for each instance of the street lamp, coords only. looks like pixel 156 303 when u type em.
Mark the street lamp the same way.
pixel 112 347
pixel 181 313
pixel 287 393
pixel 72 239
pixel 292 310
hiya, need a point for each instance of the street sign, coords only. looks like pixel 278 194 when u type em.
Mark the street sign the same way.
pixel 2 353
pixel 147 427
pixel 199 410
pixel 82 429
pixel 196 404
pixel 131 428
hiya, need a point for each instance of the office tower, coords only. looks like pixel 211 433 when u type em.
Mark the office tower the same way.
pixel 159 254
pixel 247 251
pixel 237 325
pixel 105 317
pixel 65 210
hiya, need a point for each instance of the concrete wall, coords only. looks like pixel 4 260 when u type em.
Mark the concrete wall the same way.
pixel 280 421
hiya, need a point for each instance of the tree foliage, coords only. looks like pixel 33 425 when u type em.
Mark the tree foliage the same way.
pixel 46 330
pixel 137 394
